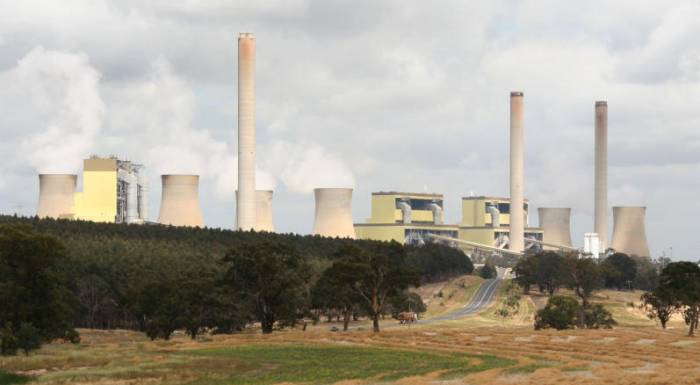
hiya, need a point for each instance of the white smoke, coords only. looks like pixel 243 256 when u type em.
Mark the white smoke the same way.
pixel 305 166
pixel 61 90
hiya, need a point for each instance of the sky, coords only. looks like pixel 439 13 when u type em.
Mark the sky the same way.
pixel 375 95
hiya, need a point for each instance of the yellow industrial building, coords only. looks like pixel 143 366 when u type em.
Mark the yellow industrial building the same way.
pixel 98 200
pixel 408 218
pixel 113 191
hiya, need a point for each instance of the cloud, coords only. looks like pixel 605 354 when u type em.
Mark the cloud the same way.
pixel 59 92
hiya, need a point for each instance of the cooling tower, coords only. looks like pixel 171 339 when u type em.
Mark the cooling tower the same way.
pixel 179 204
pixel 56 195
pixel 556 225
pixel 263 210
pixel 245 203
pixel 334 212
pixel 517 211
pixel 629 231
pixel 600 220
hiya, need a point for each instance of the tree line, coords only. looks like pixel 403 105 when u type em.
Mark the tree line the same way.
pixel 159 279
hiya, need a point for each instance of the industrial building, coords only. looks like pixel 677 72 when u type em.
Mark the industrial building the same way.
pixel 629 231
pixel 113 191
pixel 409 218
pixel 405 218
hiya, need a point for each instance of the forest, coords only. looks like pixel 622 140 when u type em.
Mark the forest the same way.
pixel 158 279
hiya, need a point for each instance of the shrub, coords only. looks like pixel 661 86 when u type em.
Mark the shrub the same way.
pixel 559 313
pixel 597 317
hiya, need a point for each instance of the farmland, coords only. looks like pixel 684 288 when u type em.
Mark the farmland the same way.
pixel 474 350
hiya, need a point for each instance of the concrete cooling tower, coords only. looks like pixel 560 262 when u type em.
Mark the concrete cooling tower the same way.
pixel 179 204
pixel 517 209
pixel 245 203
pixel 56 195
pixel 263 210
pixel 334 212
pixel 556 225
pixel 629 231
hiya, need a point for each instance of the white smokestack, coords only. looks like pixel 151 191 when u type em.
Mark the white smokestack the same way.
pixel 179 204
pixel 629 231
pixel 56 195
pixel 334 212
pixel 517 211
pixel 601 173
pixel 245 205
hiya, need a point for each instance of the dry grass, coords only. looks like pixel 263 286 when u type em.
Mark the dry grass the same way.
pixel 636 352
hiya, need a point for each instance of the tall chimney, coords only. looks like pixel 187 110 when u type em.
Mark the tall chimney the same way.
pixel 601 174
pixel 56 195
pixel 517 211
pixel 245 205
pixel 333 216
pixel 179 203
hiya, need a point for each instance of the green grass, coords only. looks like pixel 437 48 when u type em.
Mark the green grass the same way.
pixel 9 378
pixel 269 364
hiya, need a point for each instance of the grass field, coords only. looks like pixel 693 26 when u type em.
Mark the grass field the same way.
pixel 474 350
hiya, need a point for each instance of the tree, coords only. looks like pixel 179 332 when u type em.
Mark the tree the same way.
pixel 375 273
pixel 487 271
pixel 659 304
pixel 438 262
pixel 548 275
pixel 526 272
pixel 269 277
pixel 37 305
pixel 330 292
pixel 406 301
pixel 582 275
pixel 680 281
pixel 619 271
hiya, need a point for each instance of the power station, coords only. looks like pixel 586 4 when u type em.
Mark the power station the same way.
pixel 115 190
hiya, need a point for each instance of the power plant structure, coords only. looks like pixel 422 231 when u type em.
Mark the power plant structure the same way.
pixel 179 204
pixel 517 224
pixel 556 225
pixel 600 220
pixel 263 210
pixel 416 218
pixel 333 217
pixel 629 231
pixel 56 195
pixel 246 201
pixel 116 191
pixel 113 191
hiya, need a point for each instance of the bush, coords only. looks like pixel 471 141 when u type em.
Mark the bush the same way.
pixel 597 316
pixel 487 271
pixel 559 313
pixel 28 338
pixel 565 313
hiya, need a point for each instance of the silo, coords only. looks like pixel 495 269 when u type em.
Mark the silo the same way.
pixel 56 195
pixel 263 210
pixel 629 231
pixel 555 221
pixel 601 174
pixel 245 202
pixel 334 212
pixel 517 209
pixel 179 204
